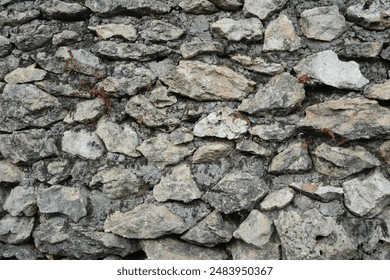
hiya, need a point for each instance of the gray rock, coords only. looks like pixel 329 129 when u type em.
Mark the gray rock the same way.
pixel 83 144
pixel 323 23
pixel 379 91
pixel 160 98
pixel 162 152
pixel 191 213
pixel 8 64
pixel 249 146
pixel 280 36
pixel 23 106
pixel 223 123
pixel 27 145
pixel 293 159
pixel 5 46
pixel 15 230
pixel 281 95
pixel 325 68
pixel 278 199
pixel 86 111
pixel 274 131
pixel 355 48
pixel 318 191
pixel 243 251
pixel 375 16
pixel 383 151
pixel 365 118
pixel 66 37
pixel 118 182
pixel 230 5
pixel 172 249
pixel 211 231
pixel 25 75
pixel 118 138
pixel 259 65
pixel 211 152
pixel 20 252
pixel 385 54
pixel 367 197
pixel 82 61
pixel 198 46
pixel 262 8
pixel 248 30
pixel 179 185
pixel 68 201
pixel 10 173
pixel 62 10
pixel 202 81
pixel 181 135
pixel 21 201
pixel 341 162
pixel 132 51
pixel 146 221
pixel 107 31
pixel 161 31
pixel 235 192
pixel 53 171
pixel 198 7
pixel 16 18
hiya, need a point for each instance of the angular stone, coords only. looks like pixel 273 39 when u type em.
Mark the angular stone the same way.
pixel 211 152
pixel 132 51
pixel 66 37
pixel 280 36
pixel 249 146
pixel 367 197
pixel 211 231
pixel 5 46
pixel 325 68
pixel 86 111
pixel 162 152
pixel 83 144
pixel 198 7
pixel 340 162
pixel 118 182
pixel 107 31
pixel 10 173
pixel 191 213
pixel 293 159
pixel 385 54
pixel 383 151
pixel 277 200
pixel 27 145
pixel 20 252
pixel 313 236
pixel 181 135
pixel 243 251
pixel 82 61
pixel 173 249
pixel 379 91
pixel 146 221
pixel 160 98
pixel 258 65
pixel 53 171
pixel 201 81
pixel 198 46
pixel 8 64
pixel 318 191
pixel 281 95
pixel 15 230
pixel 68 201
pixel 231 5
pixel 371 15
pixel 21 201
pixel 22 106
pixel 323 23
pixel 262 8
pixel 351 118
pixel 179 185
pixel 273 131
pixel 118 138
pixel 64 11
pixel 16 18
pixel 161 31
pixel 235 192
pixel 247 30
pixel 355 48
pixel 255 229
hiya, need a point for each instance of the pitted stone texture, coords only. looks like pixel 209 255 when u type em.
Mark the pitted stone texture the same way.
pixel 82 61
pixel 25 75
pixel 10 173
pixel 198 46
pixel 52 171
pixel 198 7
pixel 323 23
pixel 161 98
pixel 235 192
pixel 211 152
pixel 181 135
pixel 341 162
pixel 385 54
pixel 354 118
pixel 384 152
pixel 248 30
pixel 107 31
pixel 211 231
pixel 274 131
pixel 280 36
pixel 230 5
pixel 379 91
pixel 259 65
pixel 22 201
pixel 5 46
pixel 86 111
pixel 201 81
pixel 243 251
pixel 146 221
pixel 20 252
pixel 249 146
pixel 223 123
pixel 262 8
pixel 293 159
pixel 325 68
pixel 66 37
pixel 281 95
pixel 367 197
pixel 278 199
pixel 15 230
pixel 370 14
pixel 356 48
pixel 16 18
pixel 179 185
pixel 83 144
pixel 62 10
pixel 318 191
pixel 161 31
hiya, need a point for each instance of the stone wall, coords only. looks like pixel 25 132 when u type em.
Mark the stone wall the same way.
pixel 195 129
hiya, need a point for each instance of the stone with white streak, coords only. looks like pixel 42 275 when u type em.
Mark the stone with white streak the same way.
pixel 262 8
pixel 248 30
pixel 83 144
pixel 25 75
pixel 318 191
pixel 280 36
pixel 107 31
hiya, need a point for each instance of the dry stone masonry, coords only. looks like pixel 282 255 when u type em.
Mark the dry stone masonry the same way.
pixel 204 129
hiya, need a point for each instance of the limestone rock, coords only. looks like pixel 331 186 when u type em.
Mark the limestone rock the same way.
pixel 236 191
pixel 146 221
pixel 367 197
pixel 323 23
pixel 191 213
pixel 25 75
pixel 281 95
pixel 10 173
pixel 161 98
pixel 384 152
pixel 258 65
pixel 371 15
pixel 52 171
pixel 385 54
pixel 83 144
pixel 5 46
pixel 243 251
pixel 274 131
pixel 211 231
pixel 280 36
pixel 249 146
pixel 66 37
pixel 248 30
pixel 379 91
pixel 353 118
pixel 262 8
pixel 340 162
pixel 82 61
pixel 198 7
pixel 27 145
pixel 223 123
pixel 255 229
pixel 17 18
pixel 231 5
pixel 181 135
pixel 179 185
pixel 355 48
pixel 203 81
pixel 62 10
pixel 294 159
pixel 20 252
pixel 278 199
pixel 22 201
pixel 211 152
pixel 161 31
pixel 198 46
pixel 15 230
pixel 318 191
pixel 107 31
pixel 325 68
pixel 86 111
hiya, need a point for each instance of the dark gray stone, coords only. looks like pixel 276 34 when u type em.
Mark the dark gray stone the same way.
pixel 63 10
pixel 161 31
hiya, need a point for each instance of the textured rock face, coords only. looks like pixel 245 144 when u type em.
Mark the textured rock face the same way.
pixel 22 201
pixel 262 8
pixel 107 31
pixel 10 173
pixel 161 31
pixel 83 144
pixel 248 30
pixel 280 36
pixel 15 230
pixel 371 15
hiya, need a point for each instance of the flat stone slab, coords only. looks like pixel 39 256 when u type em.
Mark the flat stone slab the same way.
pixel 247 30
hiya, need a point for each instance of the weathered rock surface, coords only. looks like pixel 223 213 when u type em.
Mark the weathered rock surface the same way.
pixel 280 36
pixel 243 251
pixel 259 65
pixel 198 46
pixel 325 68
pixel 21 201
pixel 368 197
pixel 318 191
pixel 161 31
pixel 274 131
pixel 15 230
pixel 384 152
pixel 161 98
pixel 20 252
pixel 262 8
pixel 63 10
pixel 371 15
pixel 379 91
pixel 248 30
pixel 25 75
pixel 181 135
pixel 211 152
pixel 385 54
pixel 198 7
pixel 146 221
pixel 231 5
pixel 52 171
pixel 66 37
pixel 86 111
pixel 249 146
pixel 355 48
pixel 5 46
pixel 107 31
pixel 10 173
pixel 17 18
pixel 202 81
pixel 83 144
pixel 277 200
